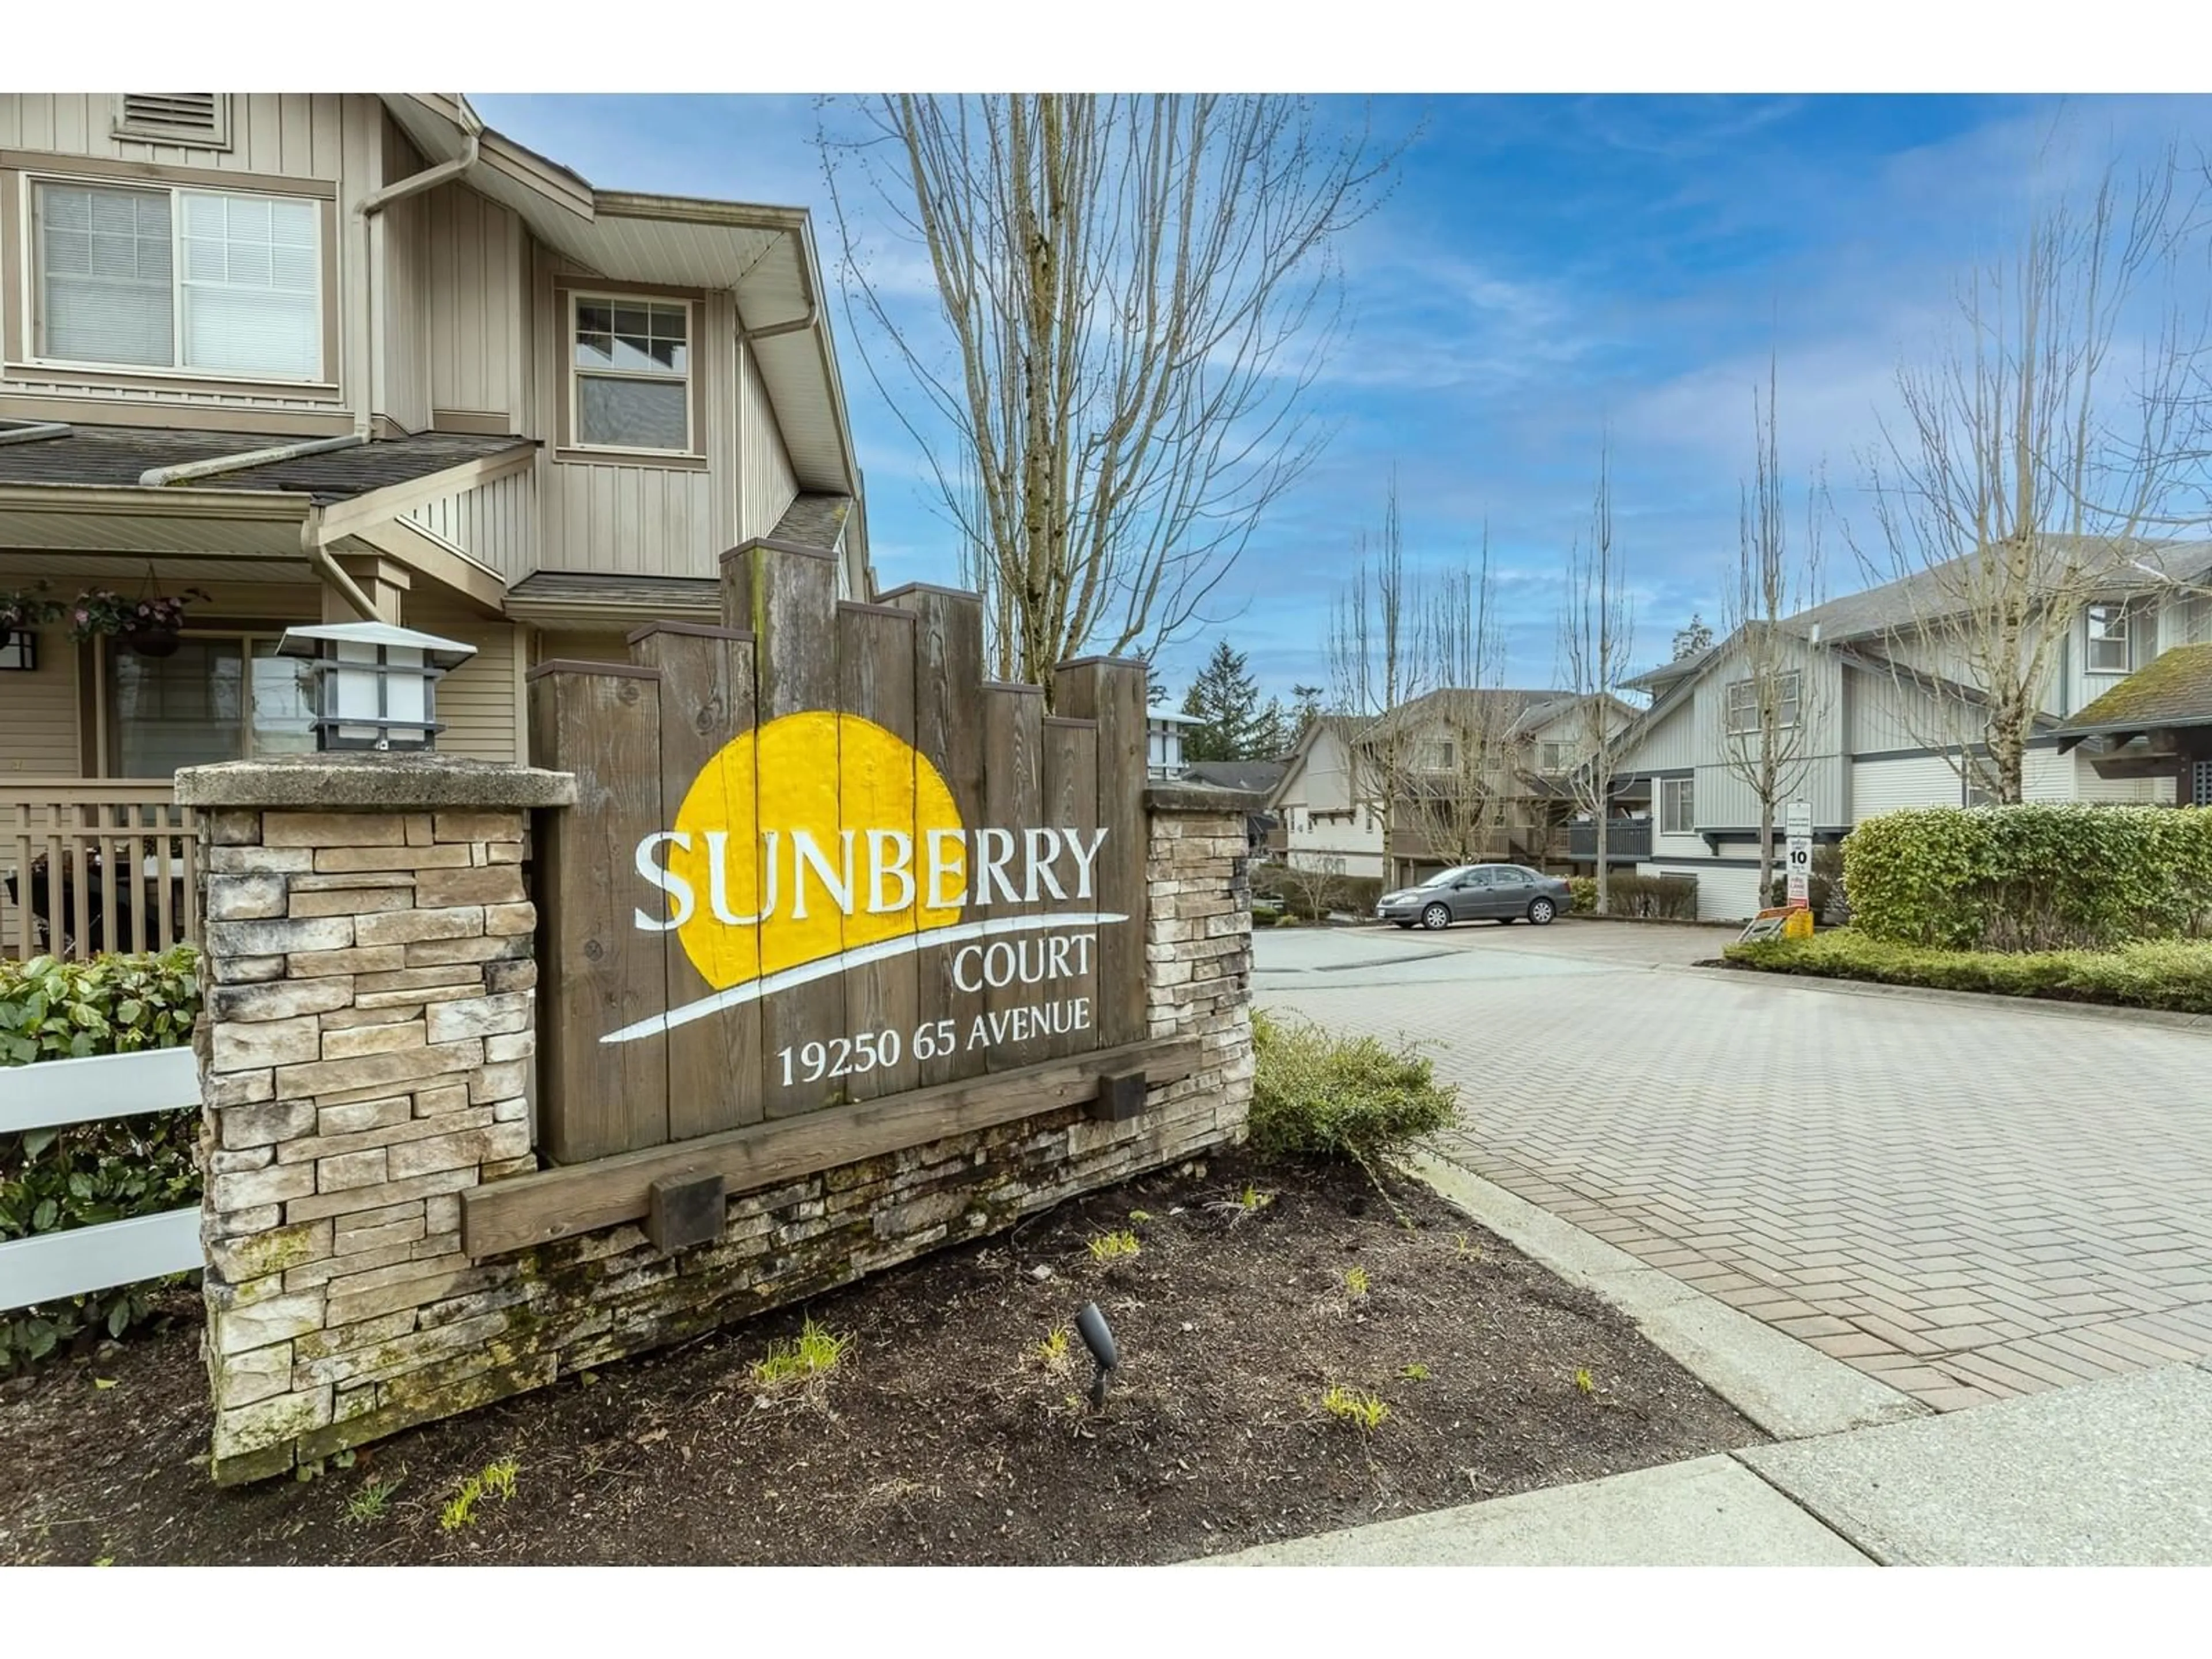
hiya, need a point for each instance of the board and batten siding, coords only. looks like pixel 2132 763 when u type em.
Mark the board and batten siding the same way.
pixel 40 736
pixel 400 253
pixel 1666 745
pixel 496 523
pixel 766 483
pixel 479 296
pixel 328 138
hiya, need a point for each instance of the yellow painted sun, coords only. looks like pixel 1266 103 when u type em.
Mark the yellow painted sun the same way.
pixel 814 778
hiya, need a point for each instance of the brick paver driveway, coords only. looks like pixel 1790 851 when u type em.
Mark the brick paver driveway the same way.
pixel 1968 1201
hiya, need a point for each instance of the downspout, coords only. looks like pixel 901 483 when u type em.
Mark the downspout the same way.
pixel 331 571
pixel 366 209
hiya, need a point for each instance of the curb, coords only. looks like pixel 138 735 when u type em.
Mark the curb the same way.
pixel 2166 1018
pixel 1791 1391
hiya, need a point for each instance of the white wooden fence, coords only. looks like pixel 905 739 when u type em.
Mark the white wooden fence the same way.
pixel 55 1093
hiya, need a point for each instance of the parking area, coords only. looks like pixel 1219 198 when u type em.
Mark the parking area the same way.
pixel 1969 1201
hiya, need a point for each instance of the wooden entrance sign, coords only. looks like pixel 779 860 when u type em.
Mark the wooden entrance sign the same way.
pixel 817 861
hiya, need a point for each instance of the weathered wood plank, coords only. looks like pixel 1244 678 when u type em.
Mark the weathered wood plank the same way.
pixel 948 669
pixel 1070 807
pixel 875 680
pixel 706 700
pixel 790 598
pixel 1013 801
pixel 1112 692
pixel 514 1214
pixel 598 972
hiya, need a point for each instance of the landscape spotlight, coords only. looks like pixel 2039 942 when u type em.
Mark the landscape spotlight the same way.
pixel 1090 1326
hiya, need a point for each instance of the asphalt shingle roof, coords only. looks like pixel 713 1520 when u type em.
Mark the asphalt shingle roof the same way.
pixel 2173 689
pixel 115 456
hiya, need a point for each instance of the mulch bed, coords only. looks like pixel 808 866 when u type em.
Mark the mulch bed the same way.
pixel 944 1435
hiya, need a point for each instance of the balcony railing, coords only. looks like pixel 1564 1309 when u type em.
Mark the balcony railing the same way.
pixel 94 864
pixel 1624 838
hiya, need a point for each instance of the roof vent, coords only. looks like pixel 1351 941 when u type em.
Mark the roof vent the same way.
pixel 176 118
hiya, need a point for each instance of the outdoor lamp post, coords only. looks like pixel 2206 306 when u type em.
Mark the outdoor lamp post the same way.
pixel 374 684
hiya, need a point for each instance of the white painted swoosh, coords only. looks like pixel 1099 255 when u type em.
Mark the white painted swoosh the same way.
pixel 904 944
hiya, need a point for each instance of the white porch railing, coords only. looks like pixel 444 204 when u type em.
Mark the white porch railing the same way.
pixel 54 1093
pixel 94 865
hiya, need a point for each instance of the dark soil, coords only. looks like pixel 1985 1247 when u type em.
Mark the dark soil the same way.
pixel 944 1435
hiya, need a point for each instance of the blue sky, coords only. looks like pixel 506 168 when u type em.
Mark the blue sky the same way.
pixel 1547 267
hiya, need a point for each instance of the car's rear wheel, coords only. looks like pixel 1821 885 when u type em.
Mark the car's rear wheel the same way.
pixel 1540 911
pixel 1437 916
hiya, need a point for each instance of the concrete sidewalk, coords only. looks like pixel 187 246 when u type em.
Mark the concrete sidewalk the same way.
pixel 2116 1473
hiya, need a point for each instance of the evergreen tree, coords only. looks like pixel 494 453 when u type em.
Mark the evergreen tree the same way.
pixel 1691 641
pixel 1272 734
pixel 1306 699
pixel 1224 700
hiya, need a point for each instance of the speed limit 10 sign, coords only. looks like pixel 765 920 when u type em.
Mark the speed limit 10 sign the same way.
pixel 1799 861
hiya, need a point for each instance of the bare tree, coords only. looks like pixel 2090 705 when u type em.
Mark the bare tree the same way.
pixel 1318 880
pixel 1456 781
pixel 1139 293
pixel 2028 462
pixel 1597 632
pixel 1772 708
pixel 1378 661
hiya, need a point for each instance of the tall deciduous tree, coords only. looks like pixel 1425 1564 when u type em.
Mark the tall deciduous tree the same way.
pixel 1597 630
pixel 1379 660
pixel 1224 700
pixel 1136 293
pixel 1461 779
pixel 1774 700
pixel 2032 456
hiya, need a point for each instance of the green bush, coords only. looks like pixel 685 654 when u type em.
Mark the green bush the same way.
pixel 1309 897
pixel 1316 1094
pixel 2170 974
pixel 2034 877
pixel 1582 896
pixel 52 1180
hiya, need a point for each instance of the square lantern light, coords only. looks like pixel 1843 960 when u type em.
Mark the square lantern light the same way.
pixel 374 684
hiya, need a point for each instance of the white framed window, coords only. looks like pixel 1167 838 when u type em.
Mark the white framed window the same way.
pixel 218 697
pixel 1434 755
pixel 1678 806
pixel 1552 755
pixel 177 280
pixel 2113 632
pixel 1743 703
pixel 629 387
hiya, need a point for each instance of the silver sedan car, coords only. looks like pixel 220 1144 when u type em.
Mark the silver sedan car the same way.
pixel 1470 892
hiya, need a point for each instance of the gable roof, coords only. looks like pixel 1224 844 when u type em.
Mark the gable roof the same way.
pixel 1256 777
pixel 2175 689
pixel 764 256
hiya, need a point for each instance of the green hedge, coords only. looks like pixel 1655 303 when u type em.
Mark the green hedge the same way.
pixel 1316 1094
pixel 52 1180
pixel 2031 877
pixel 1582 896
pixel 1294 897
pixel 2175 975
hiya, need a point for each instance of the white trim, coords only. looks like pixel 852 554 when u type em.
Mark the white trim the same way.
pixel 50 1267
pixel 1688 787
pixel 692 359
pixel 32 296
pixel 50 1094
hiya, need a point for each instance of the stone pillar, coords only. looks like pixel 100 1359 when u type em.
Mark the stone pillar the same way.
pixel 365 1053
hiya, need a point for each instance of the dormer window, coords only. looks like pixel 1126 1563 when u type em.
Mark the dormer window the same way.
pixel 631 380
pixel 2116 634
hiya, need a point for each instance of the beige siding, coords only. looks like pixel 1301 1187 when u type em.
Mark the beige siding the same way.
pixel 478 701
pixel 766 483
pixel 39 735
pixel 298 135
pixel 496 523
pixel 321 137
pixel 402 254
pixel 479 305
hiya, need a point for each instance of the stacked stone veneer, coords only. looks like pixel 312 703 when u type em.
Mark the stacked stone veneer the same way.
pixel 364 1056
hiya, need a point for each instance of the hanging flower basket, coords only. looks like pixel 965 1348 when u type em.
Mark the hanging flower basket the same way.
pixel 25 608
pixel 148 626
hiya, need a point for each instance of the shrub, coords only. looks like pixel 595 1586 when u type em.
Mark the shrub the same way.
pixel 1319 1095
pixel 1581 895
pixel 1650 898
pixel 1312 895
pixel 2170 974
pixel 52 1180
pixel 2032 877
